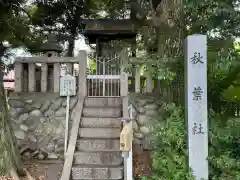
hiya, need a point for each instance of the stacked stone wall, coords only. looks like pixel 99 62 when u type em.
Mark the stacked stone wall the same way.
pixel 38 121
pixel 144 114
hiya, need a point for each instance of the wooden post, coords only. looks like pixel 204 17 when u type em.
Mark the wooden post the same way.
pixel 82 73
pixel 44 77
pixel 56 77
pixel 196 104
pixel 18 77
pixel 137 79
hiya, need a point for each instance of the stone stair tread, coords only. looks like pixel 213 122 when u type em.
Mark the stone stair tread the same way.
pixel 86 172
pixel 98 158
pixel 103 112
pixel 102 102
pixel 95 122
pixel 93 144
pixel 99 132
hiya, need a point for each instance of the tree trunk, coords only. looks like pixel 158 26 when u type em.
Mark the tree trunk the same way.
pixel 8 140
pixel 170 35
pixel 71 44
pixel 71 41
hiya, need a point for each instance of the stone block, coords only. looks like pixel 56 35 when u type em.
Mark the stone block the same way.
pixel 100 122
pixel 98 158
pixel 32 123
pixel 151 113
pixel 103 102
pixel 99 132
pixel 148 143
pixel 145 130
pixel 45 105
pixel 16 103
pixel 19 134
pixel 142 102
pixel 144 119
pixel 56 104
pixel 86 172
pixel 135 126
pixel 61 112
pixel 150 106
pixel 98 145
pixel 138 135
pixel 101 112
pixel 35 112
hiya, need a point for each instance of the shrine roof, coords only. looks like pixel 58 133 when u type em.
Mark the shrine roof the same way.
pixel 108 29
pixel 109 26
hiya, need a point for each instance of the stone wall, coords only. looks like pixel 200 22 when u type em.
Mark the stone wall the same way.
pixel 38 121
pixel 144 114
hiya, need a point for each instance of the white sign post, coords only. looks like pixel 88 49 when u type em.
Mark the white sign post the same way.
pixel 196 104
pixel 67 88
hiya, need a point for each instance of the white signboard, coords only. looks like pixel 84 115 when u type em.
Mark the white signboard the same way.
pixel 196 104
pixel 67 85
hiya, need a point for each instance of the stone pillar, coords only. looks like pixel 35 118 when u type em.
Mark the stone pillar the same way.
pixel 149 82
pixel 56 77
pixel 124 75
pixel 25 79
pixel 82 83
pixel 18 77
pixel 137 79
pixel 31 77
pixel 124 95
pixel 44 77
pixel 69 67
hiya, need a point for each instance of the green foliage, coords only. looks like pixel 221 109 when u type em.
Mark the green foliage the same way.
pixel 170 158
pixel 15 28
pixel 224 149
pixel 170 154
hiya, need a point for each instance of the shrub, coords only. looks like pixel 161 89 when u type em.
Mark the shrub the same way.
pixel 170 156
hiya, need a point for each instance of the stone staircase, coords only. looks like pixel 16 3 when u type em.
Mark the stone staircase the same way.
pixel 97 154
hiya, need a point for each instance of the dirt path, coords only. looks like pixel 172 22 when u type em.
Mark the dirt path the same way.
pixel 44 170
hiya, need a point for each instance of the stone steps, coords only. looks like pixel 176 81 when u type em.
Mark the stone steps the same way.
pixel 98 158
pixel 99 133
pixel 103 102
pixel 91 122
pixel 97 154
pixel 98 145
pixel 81 172
pixel 102 112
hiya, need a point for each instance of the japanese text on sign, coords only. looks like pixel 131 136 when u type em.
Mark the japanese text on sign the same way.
pixel 196 104
pixel 68 85
pixel 197 129
pixel 197 58
pixel 197 93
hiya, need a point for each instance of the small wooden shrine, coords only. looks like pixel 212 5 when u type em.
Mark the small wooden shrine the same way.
pixel 103 31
